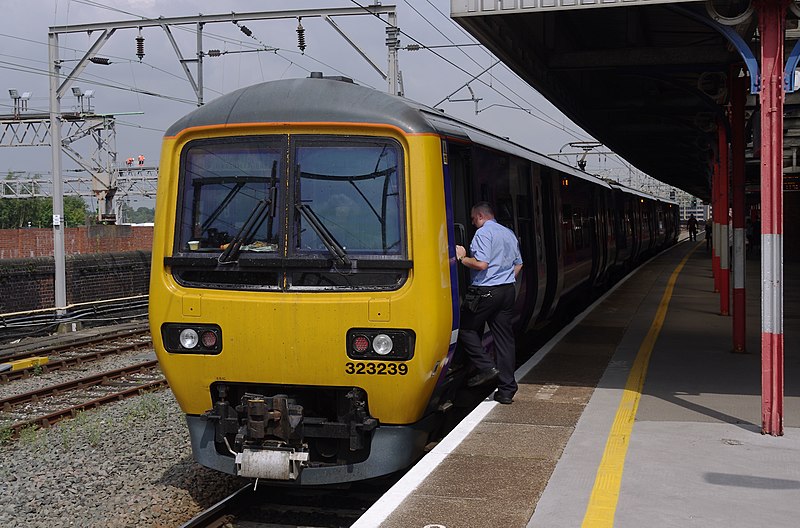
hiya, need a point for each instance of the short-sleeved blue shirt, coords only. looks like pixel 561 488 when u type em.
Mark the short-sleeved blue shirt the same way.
pixel 497 245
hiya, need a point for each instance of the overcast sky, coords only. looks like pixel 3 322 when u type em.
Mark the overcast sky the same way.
pixel 507 106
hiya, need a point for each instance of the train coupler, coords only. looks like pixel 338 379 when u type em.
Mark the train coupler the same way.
pixel 275 464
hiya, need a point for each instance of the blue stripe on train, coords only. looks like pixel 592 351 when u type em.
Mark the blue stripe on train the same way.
pixel 451 252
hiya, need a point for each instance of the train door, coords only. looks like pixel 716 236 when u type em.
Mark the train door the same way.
pixel 527 227
pixel 551 225
pixel 460 163
pixel 535 263
pixel 597 235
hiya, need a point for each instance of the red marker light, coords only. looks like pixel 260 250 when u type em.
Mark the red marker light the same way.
pixel 360 344
pixel 209 339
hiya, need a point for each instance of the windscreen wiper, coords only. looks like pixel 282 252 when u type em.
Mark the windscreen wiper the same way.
pixel 221 207
pixel 322 232
pixel 257 216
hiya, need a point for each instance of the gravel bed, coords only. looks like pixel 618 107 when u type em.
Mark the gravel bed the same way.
pixel 39 381
pixel 127 464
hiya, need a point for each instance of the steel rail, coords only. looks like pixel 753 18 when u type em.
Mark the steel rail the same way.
pixel 82 383
pixel 218 514
pixel 72 411
pixel 76 360
pixel 76 344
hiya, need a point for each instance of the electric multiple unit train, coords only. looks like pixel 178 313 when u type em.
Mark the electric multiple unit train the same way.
pixel 304 297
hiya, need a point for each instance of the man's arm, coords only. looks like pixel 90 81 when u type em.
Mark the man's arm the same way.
pixel 517 269
pixel 470 262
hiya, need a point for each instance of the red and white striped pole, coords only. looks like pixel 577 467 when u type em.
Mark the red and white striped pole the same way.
pixel 715 208
pixel 737 91
pixel 772 29
pixel 724 244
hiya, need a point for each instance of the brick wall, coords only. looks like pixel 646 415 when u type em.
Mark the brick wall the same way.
pixel 28 284
pixel 28 243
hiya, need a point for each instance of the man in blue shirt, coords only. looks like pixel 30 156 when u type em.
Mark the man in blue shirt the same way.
pixel 495 264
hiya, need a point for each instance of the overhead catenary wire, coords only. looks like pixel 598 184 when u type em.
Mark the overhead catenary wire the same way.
pixel 515 104
pixel 226 39
pixel 273 49
pixel 575 133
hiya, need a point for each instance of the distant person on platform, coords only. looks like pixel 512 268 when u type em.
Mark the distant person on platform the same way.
pixel 709 229
pixel 495 264
pixel 692 225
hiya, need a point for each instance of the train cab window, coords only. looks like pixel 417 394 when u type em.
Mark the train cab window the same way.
pixel 229 195
pixel 348 208
pixel 348 196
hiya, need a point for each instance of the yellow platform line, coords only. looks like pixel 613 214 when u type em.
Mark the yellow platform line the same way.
pixel 603 502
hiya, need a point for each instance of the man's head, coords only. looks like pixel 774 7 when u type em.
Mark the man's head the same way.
pixel 481 212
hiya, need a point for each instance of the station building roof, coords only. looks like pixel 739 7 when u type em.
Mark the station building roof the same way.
pixel 648 78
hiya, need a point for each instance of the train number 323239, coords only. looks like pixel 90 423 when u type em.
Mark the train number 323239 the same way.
pixel 378 369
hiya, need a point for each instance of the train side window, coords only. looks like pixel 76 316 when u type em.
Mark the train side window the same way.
pixel 504 210
pixel 461 234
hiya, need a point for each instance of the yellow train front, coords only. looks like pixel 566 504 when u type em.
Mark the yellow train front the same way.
pixel 302 301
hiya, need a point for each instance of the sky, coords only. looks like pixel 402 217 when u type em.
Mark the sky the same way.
pixel 506 105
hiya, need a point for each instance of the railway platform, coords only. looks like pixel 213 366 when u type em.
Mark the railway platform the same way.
pixel 636 414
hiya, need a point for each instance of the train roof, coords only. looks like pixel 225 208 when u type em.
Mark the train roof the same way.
pixel 319 99
pixel 311 100
pixel 636 192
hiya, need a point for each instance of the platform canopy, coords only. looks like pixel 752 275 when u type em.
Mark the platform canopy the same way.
pixel 648 78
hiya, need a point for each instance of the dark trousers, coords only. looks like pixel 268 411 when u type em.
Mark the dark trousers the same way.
pixel 496 307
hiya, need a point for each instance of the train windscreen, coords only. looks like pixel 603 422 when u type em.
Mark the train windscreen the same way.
pixel 291 212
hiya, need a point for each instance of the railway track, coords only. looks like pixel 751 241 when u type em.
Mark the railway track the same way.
pixel 282 507
pixel 76 352
pixel 46 406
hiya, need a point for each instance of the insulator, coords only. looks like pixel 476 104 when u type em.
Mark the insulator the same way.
pixel 391 37
pixel 413 47
pixel 214 53
pixel 301 36
pixel 100 60
pixel 140 47
pixel 246 31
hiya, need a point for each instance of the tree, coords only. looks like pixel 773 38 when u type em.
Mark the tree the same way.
pixel 38 212
pixel 75 211
pixel 140 215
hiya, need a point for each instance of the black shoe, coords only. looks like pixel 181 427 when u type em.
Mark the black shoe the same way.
pixel 505 400
pixel 484 376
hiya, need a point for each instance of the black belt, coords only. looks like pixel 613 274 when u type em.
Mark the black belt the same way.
pixel 487 289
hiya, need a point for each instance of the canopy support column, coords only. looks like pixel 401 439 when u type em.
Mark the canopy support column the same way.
pixel 716 207
pixel 724 243
pixel 772 28
pixel 737 90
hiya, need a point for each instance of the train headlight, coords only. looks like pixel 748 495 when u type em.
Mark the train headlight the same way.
pixel 186 338
pixel 380 343
pixel 189 338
